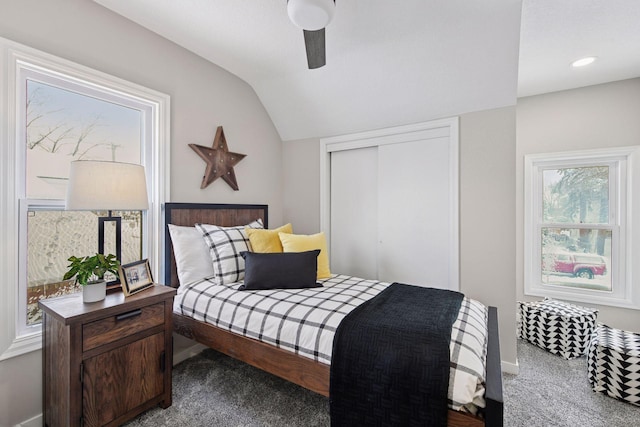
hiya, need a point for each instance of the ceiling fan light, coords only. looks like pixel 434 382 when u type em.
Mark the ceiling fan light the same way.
pixel 311 15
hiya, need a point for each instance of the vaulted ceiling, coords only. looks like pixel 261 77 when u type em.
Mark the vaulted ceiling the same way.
pixel 398 62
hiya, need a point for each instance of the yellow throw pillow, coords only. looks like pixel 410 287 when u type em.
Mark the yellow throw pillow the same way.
pixel 264 241
pixel 302 243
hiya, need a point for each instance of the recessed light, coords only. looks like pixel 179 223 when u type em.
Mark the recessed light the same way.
pixel 583 61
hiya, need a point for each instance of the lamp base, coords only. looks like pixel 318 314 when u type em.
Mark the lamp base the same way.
pixel 101 223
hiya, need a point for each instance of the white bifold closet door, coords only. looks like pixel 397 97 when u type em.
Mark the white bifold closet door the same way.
pixel 390 213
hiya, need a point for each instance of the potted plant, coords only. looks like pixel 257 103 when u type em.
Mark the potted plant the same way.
pixel 89 272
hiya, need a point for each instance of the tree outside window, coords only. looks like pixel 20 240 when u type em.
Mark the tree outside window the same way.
pixel 575 254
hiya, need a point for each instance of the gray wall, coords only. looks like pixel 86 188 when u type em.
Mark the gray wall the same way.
pixel 600 116
pixel 203 96
pixel 301 187
pixel 487 216
pixel 487 209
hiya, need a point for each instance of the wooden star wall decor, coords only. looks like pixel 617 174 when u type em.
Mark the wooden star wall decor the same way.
pixel 220 161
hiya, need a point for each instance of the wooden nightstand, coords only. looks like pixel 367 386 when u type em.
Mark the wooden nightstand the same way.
pixel 108 361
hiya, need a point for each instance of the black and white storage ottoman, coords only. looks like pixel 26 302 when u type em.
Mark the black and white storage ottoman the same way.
pixel 558 327
pixel 614 363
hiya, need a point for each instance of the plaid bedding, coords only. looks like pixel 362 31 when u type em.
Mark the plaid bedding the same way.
pixel 304 321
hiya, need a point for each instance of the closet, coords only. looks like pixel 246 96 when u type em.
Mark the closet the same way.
pixel 389 201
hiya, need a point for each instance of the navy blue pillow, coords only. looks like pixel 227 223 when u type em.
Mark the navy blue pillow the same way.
pixel 280 270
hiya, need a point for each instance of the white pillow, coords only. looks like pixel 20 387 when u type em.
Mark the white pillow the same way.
pixel 225 245
pixel 191 253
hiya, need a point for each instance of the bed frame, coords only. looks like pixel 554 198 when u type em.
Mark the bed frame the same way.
pixel 300 370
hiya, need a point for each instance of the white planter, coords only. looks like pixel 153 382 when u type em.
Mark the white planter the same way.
pixel 94 291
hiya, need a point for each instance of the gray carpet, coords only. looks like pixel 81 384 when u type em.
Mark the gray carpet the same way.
pixel 214 390
pixel 211 389
pixel 551 391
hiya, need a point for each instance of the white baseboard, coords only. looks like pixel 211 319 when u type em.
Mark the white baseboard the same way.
pixel 510 368
pixel 187 353
pixel 36 421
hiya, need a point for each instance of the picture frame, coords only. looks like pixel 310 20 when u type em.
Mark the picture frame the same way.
pixel 135 277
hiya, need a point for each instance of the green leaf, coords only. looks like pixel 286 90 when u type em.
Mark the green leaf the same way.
pixel 95 266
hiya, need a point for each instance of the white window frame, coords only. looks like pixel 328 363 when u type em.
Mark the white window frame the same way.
pixel 21 62
pixel 624 177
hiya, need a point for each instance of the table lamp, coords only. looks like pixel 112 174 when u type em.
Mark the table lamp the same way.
pixel 107 186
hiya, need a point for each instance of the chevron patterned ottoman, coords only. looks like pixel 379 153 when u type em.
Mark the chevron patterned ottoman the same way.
pixel 558 327
pixel 614 363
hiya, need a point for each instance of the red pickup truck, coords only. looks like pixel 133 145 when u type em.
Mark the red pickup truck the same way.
pixel 579 265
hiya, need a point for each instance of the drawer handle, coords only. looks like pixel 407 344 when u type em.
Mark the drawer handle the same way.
pixel 133 313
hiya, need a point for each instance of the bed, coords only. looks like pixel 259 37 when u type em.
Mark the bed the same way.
pixel 304 371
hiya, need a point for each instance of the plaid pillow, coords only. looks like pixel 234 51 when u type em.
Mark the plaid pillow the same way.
pixel 225 245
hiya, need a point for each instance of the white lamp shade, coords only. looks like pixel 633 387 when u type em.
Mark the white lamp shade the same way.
pixel 311 15
pixel 96 185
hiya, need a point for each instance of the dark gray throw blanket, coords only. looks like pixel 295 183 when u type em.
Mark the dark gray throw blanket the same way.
pixel 390 362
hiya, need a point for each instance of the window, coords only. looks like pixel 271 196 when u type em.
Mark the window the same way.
pixel 578 242
pixel 60 112
pixel 66 120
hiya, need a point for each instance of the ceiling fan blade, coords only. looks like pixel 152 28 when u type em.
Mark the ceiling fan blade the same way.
pixel 314 43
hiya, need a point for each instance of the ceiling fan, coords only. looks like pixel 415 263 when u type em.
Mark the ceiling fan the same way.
pixel 312 16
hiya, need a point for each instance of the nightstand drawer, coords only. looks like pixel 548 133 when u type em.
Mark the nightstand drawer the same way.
pixel 122 325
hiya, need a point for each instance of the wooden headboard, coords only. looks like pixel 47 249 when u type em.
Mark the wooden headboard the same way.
pixel 189 214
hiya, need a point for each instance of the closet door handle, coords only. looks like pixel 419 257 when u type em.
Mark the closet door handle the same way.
pixel 129 314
